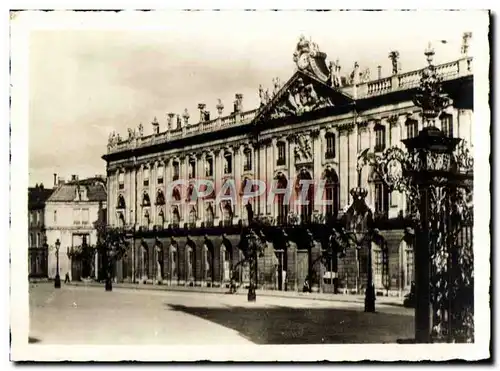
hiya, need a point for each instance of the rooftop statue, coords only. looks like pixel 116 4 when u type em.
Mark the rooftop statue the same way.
pixel 335 79
pixel 141 130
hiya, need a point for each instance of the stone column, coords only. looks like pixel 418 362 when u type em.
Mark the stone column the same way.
pixel 290 161
pixel 237 172
pixel 262 176
pixel 344 166
pixel 218 173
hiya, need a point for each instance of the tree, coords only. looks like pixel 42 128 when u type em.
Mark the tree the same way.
pixel 112 246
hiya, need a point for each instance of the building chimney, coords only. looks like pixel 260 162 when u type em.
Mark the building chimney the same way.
pixel 55 180
pixel 379 72
pixel 60 180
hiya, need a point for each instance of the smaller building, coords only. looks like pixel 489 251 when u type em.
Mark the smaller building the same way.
pixel 37 246
pixel 70 214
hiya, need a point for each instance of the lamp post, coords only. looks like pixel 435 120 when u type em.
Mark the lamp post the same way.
pixel 57 281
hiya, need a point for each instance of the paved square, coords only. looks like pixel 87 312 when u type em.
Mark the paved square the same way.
pixel 89 315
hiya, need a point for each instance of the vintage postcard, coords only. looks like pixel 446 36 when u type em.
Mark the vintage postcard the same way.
pixel 250 185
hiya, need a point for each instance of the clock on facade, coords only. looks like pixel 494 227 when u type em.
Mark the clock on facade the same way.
pixel 303 61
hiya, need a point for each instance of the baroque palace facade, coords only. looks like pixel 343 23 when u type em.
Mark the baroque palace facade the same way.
pixel 313 127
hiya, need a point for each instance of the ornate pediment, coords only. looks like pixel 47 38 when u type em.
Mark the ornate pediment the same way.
pixel 301 94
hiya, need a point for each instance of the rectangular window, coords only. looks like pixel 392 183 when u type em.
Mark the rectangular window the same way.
pixel 381 198
pixel 228 163
pixel 77 216
pixel 379 138
pixel 281 154
pixel 209 167
pixel 248 160
pixel 145 174
pixel 377 268
pixel 85 216
pixel 175 166
pixel 55 216
pixel 330 146
pixel 447 125
pixel 411 128
pixel 160 171
pixel 121 180
pixel 192 169
pixel 32 218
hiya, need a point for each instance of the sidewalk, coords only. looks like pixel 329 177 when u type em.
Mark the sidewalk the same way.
pixel 394 301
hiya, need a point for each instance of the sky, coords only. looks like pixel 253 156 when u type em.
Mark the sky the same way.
pixel 113 74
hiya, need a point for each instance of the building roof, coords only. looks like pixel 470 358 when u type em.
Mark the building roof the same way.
pixel 95 190
pixel 37 196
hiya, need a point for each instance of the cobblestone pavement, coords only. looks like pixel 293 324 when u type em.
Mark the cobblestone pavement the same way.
pixel 89 315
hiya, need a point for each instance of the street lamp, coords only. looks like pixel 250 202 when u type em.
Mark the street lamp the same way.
pixel 57 282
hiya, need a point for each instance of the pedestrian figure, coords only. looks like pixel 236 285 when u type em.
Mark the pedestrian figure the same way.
pixel 306 287
pixel 66 279
pixel 232 285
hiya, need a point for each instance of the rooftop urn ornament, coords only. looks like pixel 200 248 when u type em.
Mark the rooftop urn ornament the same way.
pixel 430 97
pixel 185 117
pixel 220 107
pixel 156 126
pixel 394 57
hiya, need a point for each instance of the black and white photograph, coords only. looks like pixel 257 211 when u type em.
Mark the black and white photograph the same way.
pixel 239 185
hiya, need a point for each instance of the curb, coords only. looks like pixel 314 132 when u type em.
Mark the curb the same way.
pixel 295 295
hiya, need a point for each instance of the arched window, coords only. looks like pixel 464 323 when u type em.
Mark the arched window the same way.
pixel 226 255
pixel 209 216
pixel 145 175
pixel 120 202
pixel 331 193
pixel 176 194
pixel 176 218
pixel 32 240
pixel 247 165
pixel 192 218
pixel 308 202
pixel 173 263
pixel 282 207
pixel 191 193
pixel 147 218
pixel 190 261
pixel 145 200
pixel 160 197
pixel 161 217
pixel 411 128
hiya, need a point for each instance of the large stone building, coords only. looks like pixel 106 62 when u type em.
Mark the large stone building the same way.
pixel 37 248
pixel 313 127
pixel 70 213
